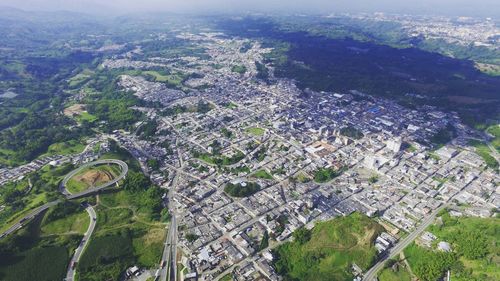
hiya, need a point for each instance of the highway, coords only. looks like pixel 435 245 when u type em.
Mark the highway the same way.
pixel 83 244
pixel 62 186
pixel 169 271
pixel 372 273
pixel 23 221
pixel 169 256
pixel 26 219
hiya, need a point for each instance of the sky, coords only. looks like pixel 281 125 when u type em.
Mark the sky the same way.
pixel 482 8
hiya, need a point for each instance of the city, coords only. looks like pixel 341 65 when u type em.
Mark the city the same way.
pixel 244 161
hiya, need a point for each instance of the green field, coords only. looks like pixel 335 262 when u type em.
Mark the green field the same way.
pixel 485 152
pixel 27 256
pixel 72 224
pixel 400 274
pixel 170 79
pixel 475 243
pixel 65 148
pixel 20 201
pixel 261 174
pixel 128 220
pixel 241 69
pixel 85 116
pixel 495 131
pixel 329 249
pixel 139 239
pixel 80 78
pixel 35 264
pixel 256 131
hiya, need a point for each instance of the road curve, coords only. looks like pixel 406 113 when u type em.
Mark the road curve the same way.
pixel 69 195
pixel 23 221
pixel 372 273
pixel 70 276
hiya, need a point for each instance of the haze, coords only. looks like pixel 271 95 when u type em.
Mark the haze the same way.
pixel 486 8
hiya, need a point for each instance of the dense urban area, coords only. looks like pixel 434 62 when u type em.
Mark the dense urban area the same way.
pixel 218 149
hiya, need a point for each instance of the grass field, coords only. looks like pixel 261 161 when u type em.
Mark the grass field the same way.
pixel 227 277
pixel 171 79
pixel 401 274
pixel 256 131
pixel 65 148
pixel 261 174
pixel 121 217
pixel 72 224
pixel 44 264
pixel 80 78
pixel 44 189
pixel 485 152
pixel 35 257
pixel 6 157
pixel 85 116
pixel 332 248
pixel 495 131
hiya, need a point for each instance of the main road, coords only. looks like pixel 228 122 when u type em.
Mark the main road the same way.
pixel 372 273
pixel 70 276
pixel 62 188
pixel 23 221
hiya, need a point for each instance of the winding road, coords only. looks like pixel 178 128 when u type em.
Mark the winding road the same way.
pixel 83 244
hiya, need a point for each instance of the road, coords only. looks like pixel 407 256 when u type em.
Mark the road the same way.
pixel 62 186
pixel 26 219
pixel 372 273
pixel 169 271
pixel 494 152
pixel 83 244
pixel 23 221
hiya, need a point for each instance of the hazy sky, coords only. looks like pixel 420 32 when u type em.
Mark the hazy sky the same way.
pixel 450 7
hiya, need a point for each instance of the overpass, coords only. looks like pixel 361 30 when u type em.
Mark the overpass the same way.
pixel 90 191
pixel 62 188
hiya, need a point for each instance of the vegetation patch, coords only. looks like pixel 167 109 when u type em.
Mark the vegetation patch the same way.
pixel 328 251
pixel 323 175
pixel 241 69
pixel 484 151
pixel 241 189
pixel 262 174
pixel 475 247
pixel 65 148
pixel 26 256
pixel 255 131
pixel 495 132
pixel 106 257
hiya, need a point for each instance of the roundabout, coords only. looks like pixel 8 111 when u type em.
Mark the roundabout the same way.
pixel 92 177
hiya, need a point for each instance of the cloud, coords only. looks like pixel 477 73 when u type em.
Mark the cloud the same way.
pixel 450 7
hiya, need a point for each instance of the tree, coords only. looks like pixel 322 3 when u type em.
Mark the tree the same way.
pixel 264 243
pixel 302 235
pixel 135 181
pixel 153 164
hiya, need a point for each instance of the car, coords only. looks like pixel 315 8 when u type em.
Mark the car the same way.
pixel 163 263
